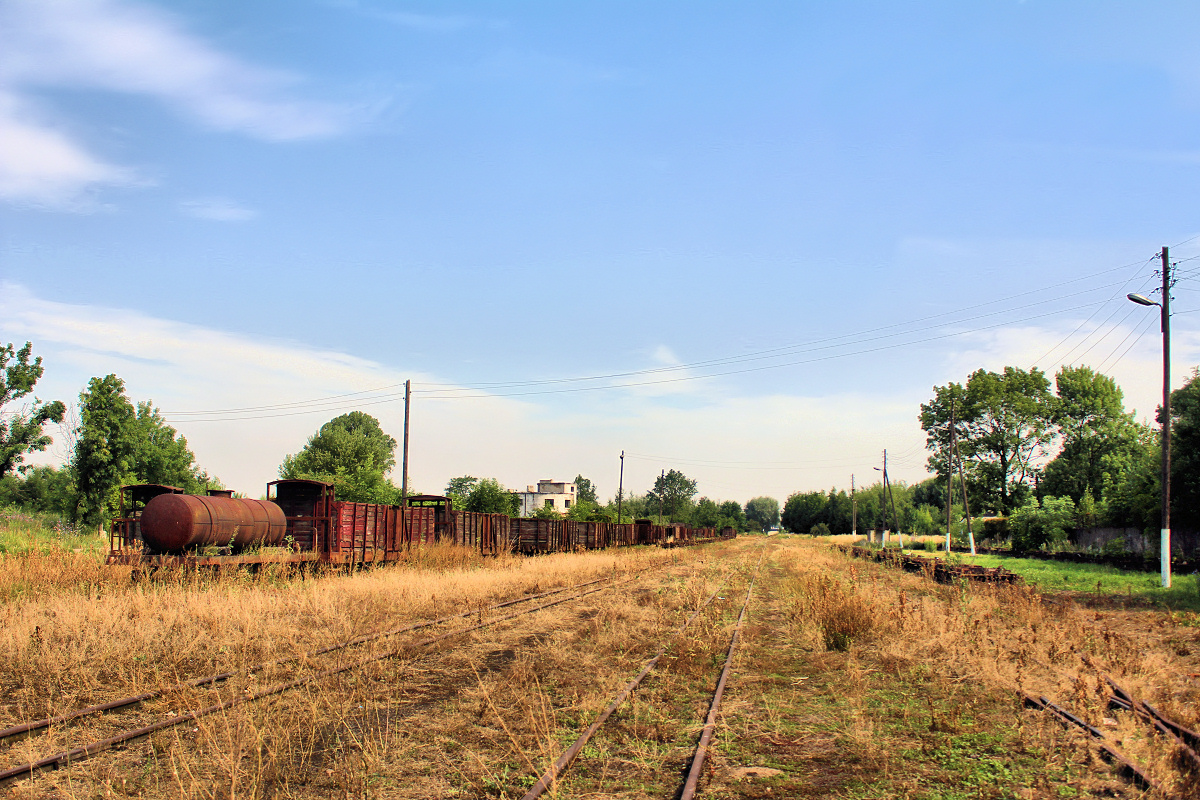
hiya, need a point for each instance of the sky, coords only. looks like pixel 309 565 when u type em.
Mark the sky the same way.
pixel 744 240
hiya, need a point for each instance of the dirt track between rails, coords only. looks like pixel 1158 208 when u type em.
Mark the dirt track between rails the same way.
pixel 851 680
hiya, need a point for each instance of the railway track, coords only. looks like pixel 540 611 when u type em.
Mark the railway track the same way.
pixel 563 762
pixel 68 757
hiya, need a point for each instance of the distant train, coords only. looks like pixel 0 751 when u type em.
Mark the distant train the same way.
pixel 303 521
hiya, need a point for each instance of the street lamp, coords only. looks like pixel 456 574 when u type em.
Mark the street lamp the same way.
pixel 1164 542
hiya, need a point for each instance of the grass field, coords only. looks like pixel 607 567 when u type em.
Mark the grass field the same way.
pixel 854 680
pixel 1099 582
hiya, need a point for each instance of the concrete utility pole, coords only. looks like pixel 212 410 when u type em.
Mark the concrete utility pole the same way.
pixel 621 486
pixel 887 485
pixel 404 460
pixel 661 488
pixel 962 480
pixel 853 508
pixel 1164 542
pixel 950 476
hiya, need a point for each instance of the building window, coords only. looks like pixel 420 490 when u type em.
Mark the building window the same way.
pixel 567 503
pixel 550 503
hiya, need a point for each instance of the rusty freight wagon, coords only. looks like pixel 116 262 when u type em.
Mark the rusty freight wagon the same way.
pixel 303 521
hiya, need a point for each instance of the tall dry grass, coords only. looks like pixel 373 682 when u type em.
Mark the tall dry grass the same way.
pixel 1006 639
pixel 477 716
pixel 109 637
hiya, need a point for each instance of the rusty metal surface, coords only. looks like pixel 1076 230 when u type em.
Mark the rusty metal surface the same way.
pixel 1126 768
pixel 176 522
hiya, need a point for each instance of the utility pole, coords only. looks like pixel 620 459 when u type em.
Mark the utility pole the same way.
pixel 887 485
pixel 621 486
pixel 962 480
pixel 950 476
pixel 883 530
pixel 662 485
pixel 853 508
pixel 1164 543
pixel 404 461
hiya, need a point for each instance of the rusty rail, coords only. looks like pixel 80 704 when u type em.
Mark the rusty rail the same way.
pixel 1127 769
pixel 1187 740
pixel 68 757
pixel 562 762
pixel 27 728
pixel 710 723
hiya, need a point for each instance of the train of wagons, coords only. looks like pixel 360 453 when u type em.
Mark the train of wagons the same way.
pixel 302 521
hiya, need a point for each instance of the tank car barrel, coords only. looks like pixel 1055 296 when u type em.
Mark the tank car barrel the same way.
pixel 176 522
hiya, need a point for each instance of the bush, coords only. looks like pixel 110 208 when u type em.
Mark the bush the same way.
pixel 820 529
pixel 1033 527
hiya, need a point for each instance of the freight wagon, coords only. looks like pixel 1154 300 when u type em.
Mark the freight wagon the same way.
pixel 303 521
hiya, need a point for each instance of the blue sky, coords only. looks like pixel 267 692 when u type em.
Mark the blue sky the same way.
pixel 256 205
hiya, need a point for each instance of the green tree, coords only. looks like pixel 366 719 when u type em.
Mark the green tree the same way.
pixel 41 489
pixel 21 430
pixel 706 514
pixel 1099 437
pixel 489 496
pixel 585 490
pixel 1033 526
pixel 732 515
pixel 1185 454
pixel 353 453
pixel 546 512
pixel 105 448
pixel 675 491
pixel 162 456
pixel 803 510
pixel 460 488
pixel 764 511
pixel 1004 422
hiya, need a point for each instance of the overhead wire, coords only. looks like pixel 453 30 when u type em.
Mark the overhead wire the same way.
pixel 369 397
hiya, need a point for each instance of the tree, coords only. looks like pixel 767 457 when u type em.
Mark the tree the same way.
pixel 803 510
pixel 459 489
pixel 21 431
pixel 353 453
pixel 764 511
pixel 585 490
pixel 706 514
pixel 353 441
pixel 732 515
pixel 546 512
pixel 1003 423
pixel 1185 454
pixel 1099 437
pixel 489 496
pixel 105 447
pixel 674 490
pixel 162 456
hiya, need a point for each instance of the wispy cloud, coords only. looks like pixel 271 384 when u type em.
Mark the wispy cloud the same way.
pixel 41 166
pixel 126 47
pixel 218 209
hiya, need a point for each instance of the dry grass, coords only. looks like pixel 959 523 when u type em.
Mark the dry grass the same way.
pixel 854 680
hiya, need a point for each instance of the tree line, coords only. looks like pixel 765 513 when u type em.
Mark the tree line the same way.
pixel 1040 459
pixel 112 441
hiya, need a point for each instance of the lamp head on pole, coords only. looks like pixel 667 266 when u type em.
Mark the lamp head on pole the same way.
pixel 1141 300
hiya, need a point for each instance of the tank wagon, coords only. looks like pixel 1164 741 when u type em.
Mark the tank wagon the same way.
pixel 303 521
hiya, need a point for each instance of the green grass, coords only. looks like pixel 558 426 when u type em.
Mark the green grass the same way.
pixel 1100 580
pixel 22 533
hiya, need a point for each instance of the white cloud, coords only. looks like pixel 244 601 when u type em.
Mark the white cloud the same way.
pixel 41 166
pixel 119 46
pixel 218 209
pixel 737 447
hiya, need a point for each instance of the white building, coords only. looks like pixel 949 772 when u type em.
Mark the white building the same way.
pixel 549 493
